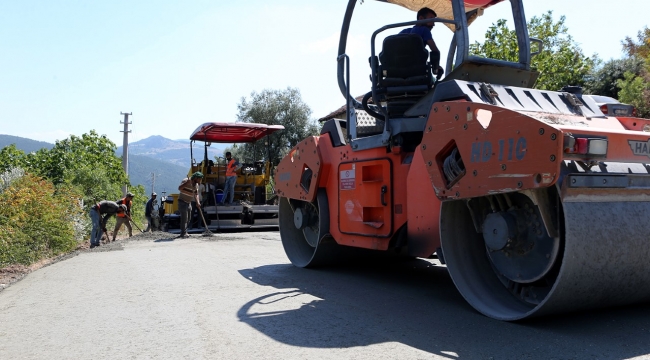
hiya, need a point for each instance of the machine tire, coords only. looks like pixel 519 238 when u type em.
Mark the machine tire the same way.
pixel 311 246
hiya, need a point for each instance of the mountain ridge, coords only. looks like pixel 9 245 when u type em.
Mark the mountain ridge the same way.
pixel 155 159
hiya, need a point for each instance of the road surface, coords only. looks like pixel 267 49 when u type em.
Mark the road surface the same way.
pixel 236 296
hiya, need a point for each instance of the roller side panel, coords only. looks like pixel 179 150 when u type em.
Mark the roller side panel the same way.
pixel 365 198
pixel 423 209
pixel 376 223
pixel 501 150
pixel 298 173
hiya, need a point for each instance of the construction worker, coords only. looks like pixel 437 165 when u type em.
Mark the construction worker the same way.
pixel 148 211
pixel 107 209
pixel 189 192
pixel 232 166
pixel 124 218
pixel 424 30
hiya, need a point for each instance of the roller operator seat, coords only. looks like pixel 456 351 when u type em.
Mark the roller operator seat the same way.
pixel 403 65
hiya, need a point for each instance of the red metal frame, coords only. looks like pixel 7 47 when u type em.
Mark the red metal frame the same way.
pixel 233 132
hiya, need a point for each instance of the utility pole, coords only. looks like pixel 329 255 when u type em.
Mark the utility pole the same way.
pixel 125 147
pixel 153 182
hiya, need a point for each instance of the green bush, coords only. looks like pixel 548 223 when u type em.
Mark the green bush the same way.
pixel 37 220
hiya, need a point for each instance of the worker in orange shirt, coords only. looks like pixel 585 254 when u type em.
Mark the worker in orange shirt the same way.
pixel 232 166
pixel 124 218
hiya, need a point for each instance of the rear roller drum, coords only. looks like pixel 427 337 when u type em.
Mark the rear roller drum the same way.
pixel 519 255
pixel 304 227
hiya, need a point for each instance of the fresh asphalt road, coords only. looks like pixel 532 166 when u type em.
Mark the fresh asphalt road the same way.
pixel 236 296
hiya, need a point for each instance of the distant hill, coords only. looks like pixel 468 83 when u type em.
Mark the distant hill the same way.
pixel 168 159
pixel 174 151
pixel 24 144
pixel 167 175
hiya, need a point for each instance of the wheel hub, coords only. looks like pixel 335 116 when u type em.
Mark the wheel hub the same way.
pixel 518 245
pixel 300 218
pixel 498 229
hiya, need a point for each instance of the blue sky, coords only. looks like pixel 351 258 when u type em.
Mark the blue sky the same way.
pixel 70 66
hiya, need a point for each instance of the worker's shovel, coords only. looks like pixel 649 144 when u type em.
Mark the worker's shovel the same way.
pixel 207 231
pixel 133 222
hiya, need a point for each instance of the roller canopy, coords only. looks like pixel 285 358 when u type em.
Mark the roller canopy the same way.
pixel 233 132
pixel 443 8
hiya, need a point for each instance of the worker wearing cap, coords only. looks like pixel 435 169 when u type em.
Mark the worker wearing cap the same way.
pixel 148 210
pixel 125 217
pixel 106 209
pixel 189 192
pixel 232 166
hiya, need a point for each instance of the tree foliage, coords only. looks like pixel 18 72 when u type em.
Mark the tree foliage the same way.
pixel 90 150
pixel 635 86
pixel 603 79
pixel 11 158
pixel 44 194
pixel 38 220
pixel 274 107
pixel 641 47
pixel 88 163
pixel 561 61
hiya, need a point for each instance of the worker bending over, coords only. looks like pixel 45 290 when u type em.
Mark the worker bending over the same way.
pixel 106 209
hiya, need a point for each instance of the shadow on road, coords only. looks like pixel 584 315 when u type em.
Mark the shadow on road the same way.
pixel 415 303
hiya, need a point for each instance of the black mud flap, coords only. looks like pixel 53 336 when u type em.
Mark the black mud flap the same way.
pixel 246 216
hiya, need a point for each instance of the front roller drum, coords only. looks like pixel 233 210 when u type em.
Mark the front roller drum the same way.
pixel 600 256
pixel 304 230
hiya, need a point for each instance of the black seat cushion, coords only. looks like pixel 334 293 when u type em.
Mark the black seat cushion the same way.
pixel 403 56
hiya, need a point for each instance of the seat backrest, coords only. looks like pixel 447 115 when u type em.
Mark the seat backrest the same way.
pixel 403 56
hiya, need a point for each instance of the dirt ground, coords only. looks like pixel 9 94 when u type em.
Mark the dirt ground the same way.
pixel 11 274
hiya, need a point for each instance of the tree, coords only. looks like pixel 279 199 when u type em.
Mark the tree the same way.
pixel 11 158
pixel 94 183
pixel 561 61
pixel 640 48
pixel 76 152
pixel 275 107
pixel 635 87
pixel 603 79
pixel 87 162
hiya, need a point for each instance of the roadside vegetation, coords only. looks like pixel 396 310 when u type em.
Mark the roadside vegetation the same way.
pixel 635 85
pixel 37 219
pixel 46 196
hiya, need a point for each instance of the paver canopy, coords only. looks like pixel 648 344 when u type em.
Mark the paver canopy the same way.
pixel 233 132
